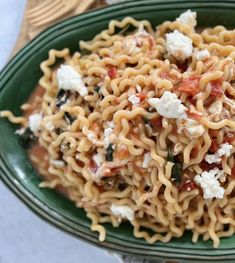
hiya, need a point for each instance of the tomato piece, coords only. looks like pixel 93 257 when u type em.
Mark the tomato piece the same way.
pixel 156 122
pixel 194 151
pixel 188 186
pixel 207 166
pixel 214 146
pixel 112 72
pixel 190 85
pixel 216 88
pixel 141 96
pixel 229 138
pixel 233 172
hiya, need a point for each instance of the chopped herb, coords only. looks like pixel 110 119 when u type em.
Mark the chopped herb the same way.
pixel 176 172
pixel 85 52
pixel 146 121
pixel 69 118
pixel 97 89
pixel 122 186
pixel 26 139
pixel 62 98
pixel 177 168
pixel 170 157
pixel 109 153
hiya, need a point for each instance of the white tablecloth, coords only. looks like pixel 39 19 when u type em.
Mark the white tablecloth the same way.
pixel 25 238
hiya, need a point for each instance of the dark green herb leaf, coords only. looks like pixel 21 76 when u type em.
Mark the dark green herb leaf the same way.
pixel 84 52
pixel 146 121
pixel 26 139
pixel 69 118
pixel 109 153
pixel 97 89
pixel 176 172
pixel 170 157
pixel 62 97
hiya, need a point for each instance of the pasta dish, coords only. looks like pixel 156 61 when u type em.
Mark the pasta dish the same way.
pixel 138 125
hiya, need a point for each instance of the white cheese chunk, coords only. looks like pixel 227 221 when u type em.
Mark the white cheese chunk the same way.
pixel 98 158
pixel 147 159
pixel 122 211
pixel 194 128
pixel 107 133
pixel 179 45
pixel 188 18
pixel 225 149
pixel 169 106
pixel 69 79
pixel 134 99
pixel 130 45
pixel 34 122
pixel 212 158
pixel 210 184
pixel 202 54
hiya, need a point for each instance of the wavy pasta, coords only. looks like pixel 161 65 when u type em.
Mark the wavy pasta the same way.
pixel 110 154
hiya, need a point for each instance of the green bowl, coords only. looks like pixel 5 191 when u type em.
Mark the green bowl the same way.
pixel 18 80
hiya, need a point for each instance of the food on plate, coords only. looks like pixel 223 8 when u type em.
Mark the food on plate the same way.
pixel 138 125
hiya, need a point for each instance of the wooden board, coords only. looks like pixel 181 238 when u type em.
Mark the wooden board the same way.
pixel 27 32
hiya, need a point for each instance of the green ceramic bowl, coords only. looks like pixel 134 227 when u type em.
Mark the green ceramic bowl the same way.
pixel 17 81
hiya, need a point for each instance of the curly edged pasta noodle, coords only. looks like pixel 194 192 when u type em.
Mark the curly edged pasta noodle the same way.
pixel 141 128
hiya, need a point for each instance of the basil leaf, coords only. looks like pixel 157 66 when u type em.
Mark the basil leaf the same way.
pixel 69 118
pixel 26 139
pixel 62 98
pixel 176 172
pixel 109 153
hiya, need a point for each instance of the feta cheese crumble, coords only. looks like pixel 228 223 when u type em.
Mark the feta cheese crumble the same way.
pixel 122 211
pixel 134 99
pixel 98 158
pixel 169 106
pixel 69 79
pixel 147 159
pixel 225 149
pixel 188 18
pixel 202 54
pixel 212 158
pixel 210 184
pixel 34 122
pixel 179 45
pixel 194 128
pixel 107 133
pixel 130 44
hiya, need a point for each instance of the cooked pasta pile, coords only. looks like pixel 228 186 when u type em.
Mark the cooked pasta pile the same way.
pixel 139 125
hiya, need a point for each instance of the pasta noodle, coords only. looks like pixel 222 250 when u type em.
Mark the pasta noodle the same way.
pixel 137 128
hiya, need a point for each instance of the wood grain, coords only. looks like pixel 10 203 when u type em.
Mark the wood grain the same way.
pixel 28 32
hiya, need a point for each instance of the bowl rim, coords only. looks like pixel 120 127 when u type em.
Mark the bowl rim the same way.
pixel 39 207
